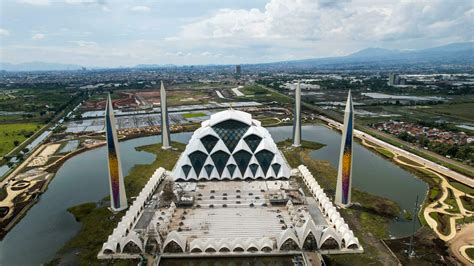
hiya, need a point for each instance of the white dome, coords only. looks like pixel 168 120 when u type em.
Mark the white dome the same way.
pixel 231 145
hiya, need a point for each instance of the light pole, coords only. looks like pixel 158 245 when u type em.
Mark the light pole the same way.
pixel 411 251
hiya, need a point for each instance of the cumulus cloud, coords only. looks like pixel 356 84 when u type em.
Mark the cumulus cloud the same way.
pixel 343 20
pixel 141 9
pixel 211 32
pixel 38 36
pixel 4 32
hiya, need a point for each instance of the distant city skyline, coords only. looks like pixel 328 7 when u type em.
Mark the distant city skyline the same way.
pixel 104 33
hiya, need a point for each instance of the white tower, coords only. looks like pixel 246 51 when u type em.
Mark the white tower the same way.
pixel 344 173
pixel 118 198
pixel 297 117
pixel 165 131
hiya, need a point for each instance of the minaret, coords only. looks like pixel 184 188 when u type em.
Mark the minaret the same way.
pixel 344 173
pixel 297 117
pixel 118 198
pixel 165 131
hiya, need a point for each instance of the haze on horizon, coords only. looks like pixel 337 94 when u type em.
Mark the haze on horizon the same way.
pixel 107 33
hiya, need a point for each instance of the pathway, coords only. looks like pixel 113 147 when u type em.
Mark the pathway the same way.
pixel 464 239
pixel 439 205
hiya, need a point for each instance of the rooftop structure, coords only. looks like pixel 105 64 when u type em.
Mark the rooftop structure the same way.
pixel 231 145
pixel 344 173
pixel 118 199
pixel 255 207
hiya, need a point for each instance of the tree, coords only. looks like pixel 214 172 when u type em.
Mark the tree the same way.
pixel 16 143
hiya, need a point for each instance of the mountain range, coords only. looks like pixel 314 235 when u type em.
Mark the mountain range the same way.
pixel 455 53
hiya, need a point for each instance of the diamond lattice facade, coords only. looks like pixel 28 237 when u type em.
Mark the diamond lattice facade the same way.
pixel 231 145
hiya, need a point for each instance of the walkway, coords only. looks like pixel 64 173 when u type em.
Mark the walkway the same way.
pixel 440 205
pixel 464 239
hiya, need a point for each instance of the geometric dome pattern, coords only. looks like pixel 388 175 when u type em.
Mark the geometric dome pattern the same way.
pixel 231 145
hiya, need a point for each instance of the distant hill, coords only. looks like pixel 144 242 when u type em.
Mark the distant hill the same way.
pixel 38 66
pixel 455 53
pixel 154 66
pixel 372 52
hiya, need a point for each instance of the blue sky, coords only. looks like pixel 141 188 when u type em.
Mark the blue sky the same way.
pixel 109 33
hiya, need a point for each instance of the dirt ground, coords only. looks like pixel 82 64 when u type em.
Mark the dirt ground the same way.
pixel 429 249
pixel 465 237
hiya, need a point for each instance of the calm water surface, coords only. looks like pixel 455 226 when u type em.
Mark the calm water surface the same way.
pixel 48 226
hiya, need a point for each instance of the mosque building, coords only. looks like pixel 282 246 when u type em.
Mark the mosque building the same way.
pixel 230 193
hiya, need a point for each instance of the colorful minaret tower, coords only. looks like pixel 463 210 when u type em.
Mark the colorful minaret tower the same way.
pixel 165 131
pixel 297 117
pixel 118 198
pixel 344 174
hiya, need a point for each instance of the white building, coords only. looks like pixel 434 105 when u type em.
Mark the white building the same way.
pixel 235 196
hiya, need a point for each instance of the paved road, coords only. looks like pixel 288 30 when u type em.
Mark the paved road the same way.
pixel 429 164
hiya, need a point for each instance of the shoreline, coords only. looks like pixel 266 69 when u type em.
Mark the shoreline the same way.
pixel 51 171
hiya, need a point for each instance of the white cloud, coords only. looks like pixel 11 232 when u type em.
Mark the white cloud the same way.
pixel 211 32
pixel 4 32
pixel 38 36
pixel 48 2
pixel 141 9
pixel 312 20
pixel 83 1
pixel 87 44
pixel 36 2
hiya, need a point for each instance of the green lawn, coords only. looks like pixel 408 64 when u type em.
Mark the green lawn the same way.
pixel 192 115
pixel 464 188
pixel 456 110
pixel 470 253
pixel 408 161
pixel 9 133
pixel 259 94
pixel 187 97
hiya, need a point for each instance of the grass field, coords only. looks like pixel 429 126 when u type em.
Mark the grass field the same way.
pixel 408 161
pixel 192 115
pixel 186 97
pixel 9 133
pixel 259 94
pixel 455 110
pixel 470 253
pixel 464 188
pixel 455 113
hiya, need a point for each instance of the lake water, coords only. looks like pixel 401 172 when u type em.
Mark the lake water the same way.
pixel 376 95
pixel 47 226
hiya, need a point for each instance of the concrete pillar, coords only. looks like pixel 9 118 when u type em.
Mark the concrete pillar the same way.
pixel 344 173
pixel 165 131
pixel 118 197
pixel 297 117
